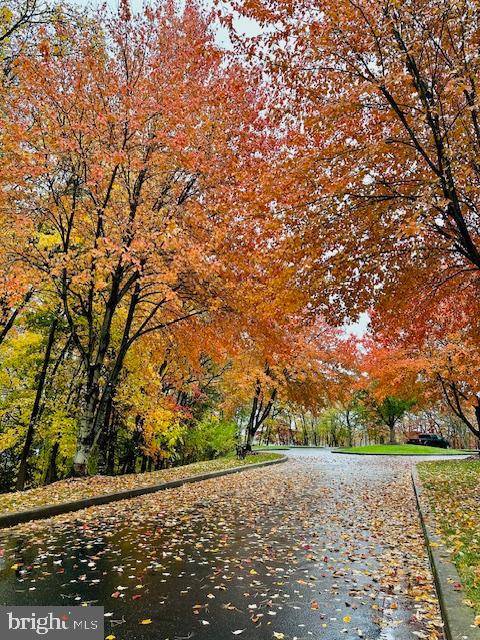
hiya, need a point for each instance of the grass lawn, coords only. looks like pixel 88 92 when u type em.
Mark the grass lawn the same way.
pixel 453 489
pixel 77 488
pixel 401 450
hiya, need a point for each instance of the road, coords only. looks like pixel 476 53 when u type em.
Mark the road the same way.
pixel 323 546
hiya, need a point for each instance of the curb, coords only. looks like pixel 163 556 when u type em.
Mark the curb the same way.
pixel 39 513
pixel 457 617
pixel 405 455
pixel 287 447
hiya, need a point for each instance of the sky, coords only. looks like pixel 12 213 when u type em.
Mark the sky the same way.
pixel 242 25
pixel 135 4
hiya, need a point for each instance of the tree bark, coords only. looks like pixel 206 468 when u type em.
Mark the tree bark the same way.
pixel 112 439
pixel 10 321
pixel 86 434
pixel 259 413
pixel 22 470
pixel 51 474
pixel 391 433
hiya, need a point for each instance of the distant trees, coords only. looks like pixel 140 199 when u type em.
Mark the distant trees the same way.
pixel 389 412
pixel 447 366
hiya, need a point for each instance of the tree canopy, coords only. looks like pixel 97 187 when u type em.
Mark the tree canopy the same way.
pixel 186 229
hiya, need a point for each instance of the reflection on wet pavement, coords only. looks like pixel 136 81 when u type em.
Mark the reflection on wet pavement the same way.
pixel 324 546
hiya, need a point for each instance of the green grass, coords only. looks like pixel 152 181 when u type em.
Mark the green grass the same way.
pixel 453 488
pixel 401 450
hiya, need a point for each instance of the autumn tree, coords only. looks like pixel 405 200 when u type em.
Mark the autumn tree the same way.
pixel 382 99
pixel 386 157
pixel 354 414
pixel 19 24
pixel 441 349
pixel 302 369
pixel 389 386
pixel 17 15
pixel 135 152
pixel 459 390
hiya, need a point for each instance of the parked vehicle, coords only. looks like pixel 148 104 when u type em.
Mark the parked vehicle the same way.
pixel 429 440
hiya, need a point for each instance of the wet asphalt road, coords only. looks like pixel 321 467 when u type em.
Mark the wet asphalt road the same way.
pixel 323 546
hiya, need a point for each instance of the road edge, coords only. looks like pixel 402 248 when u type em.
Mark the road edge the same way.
pixel 404 455
pixel 457 617
pixel 47 511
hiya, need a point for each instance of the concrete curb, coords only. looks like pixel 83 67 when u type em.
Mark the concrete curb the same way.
pixel 405 455
pixel 39 513
pixel 287 448
pixel 457 617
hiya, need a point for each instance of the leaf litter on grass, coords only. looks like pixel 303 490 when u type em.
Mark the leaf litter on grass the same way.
pixel 78 488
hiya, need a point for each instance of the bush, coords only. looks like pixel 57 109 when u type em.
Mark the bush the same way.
pixel 209 438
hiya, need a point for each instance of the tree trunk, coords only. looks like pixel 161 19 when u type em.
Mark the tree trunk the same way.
pixel 267 436
pixel 22 470
pixel 51 474
pixel 96 399
pixel 112 439
pixel 477 417
pixel 104 438
pixel 9 322
pixel 391 433
pixel 98 406
pixel 86 434
pixel 259 412
pixel 349 429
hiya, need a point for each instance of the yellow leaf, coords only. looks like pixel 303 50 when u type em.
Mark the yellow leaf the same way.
pixel 146 621
pixel 347 619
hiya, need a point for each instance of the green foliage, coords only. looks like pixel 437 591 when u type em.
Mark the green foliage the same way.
pixel 210 438
pixel 19 359
pixel 22 355
pixel 332 428
pixel 59 426
pixel 393 408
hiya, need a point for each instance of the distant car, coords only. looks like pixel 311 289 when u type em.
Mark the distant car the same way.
pixel 429 440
